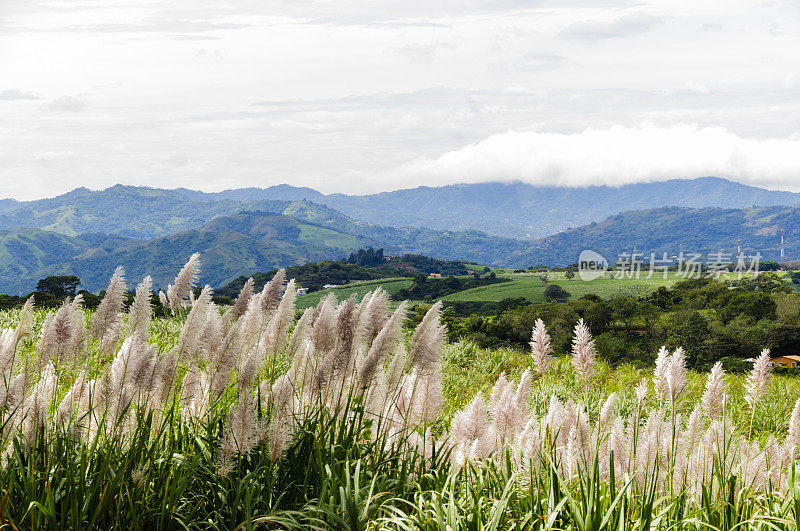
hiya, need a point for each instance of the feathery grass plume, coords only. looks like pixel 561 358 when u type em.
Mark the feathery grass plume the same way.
pixel 607 410
pixel 190 342
pixel 470 423
pixel 641 394
pixel 345 333
pixel 240 305
pixel 676 374
pixel 382 346
pixel 274 337
pixel 272 293
pixel 324 328
pixel 583 351
pixel 194 392
pixel 713 399
pixel 240 431
pixel 694 430
pixel 508 408
pixel 180 291
pixel 426 401
pixel 372 316
pixel 427 340
pixel 660 373
pixel 755 384
pixel 38 402
pixel 8 351
pixel 141 311
pixel 24 328
pixel 279 435
pixel 250 325
pixel 62 333
pixel 222 362
pixel 169 364
pixel 162 298
pixel 302 329
pixel 792 441
pixel 251 366
pixel 126 373
pixel 540 347
pixel 106 322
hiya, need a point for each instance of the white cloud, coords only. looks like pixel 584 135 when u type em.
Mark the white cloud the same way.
pixel 618 155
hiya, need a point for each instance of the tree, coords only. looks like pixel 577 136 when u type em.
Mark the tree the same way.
pixel 689 329
pixel 756 305
pixel 795 276
pixel 59 286
pixel 554 292
pixel 569 274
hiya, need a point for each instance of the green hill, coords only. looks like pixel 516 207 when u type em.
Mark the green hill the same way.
pixel 230 246
pixel 140 212
pixel 519 210
pixel 672 230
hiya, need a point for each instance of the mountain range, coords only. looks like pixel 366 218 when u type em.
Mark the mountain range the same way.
pixel 239 232
pixel 518 210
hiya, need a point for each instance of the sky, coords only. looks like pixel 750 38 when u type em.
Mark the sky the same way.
pixel 374 95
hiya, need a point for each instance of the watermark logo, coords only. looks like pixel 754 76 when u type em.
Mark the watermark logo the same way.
pixel 591 265
pixel 634 265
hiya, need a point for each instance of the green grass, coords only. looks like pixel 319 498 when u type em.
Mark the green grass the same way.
pixel 529 285
pixel 526 285
pixel 391 285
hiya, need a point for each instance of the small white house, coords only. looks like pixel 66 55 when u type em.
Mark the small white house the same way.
pixel 326 286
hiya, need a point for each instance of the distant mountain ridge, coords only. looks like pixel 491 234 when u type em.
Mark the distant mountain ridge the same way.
pixel 241 244
pixel 671 230
pixel 519 210
pixel 509 210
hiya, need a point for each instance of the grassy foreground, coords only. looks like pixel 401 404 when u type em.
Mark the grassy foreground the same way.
pixel 243 419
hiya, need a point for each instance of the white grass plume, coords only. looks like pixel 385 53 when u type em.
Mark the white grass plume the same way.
pixel 583 351
pixel 275 336
pixel 272 293
pixel 106 322
pixel 757 381
pixel 660 372
pixel 240 305
pixel 141 311
pixel 427 340
pixel 180 291
pixel 676 374
pixel 540 347
pixel 714 396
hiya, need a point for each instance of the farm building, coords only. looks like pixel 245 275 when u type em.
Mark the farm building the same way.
pixel 791 360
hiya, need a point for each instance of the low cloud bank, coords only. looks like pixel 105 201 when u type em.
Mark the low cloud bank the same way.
pixel 618 155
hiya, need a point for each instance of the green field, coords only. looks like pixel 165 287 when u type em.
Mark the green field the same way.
pixel 391 285
pixel 529 285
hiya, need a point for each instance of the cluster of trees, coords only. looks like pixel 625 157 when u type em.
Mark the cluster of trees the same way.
pixel 416 264
pixel 366 257
pixel 712 320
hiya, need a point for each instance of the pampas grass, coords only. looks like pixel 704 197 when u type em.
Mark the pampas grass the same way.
pixel 249 418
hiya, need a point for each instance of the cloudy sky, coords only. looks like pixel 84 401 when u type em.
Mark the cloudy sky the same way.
pixel 373 95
